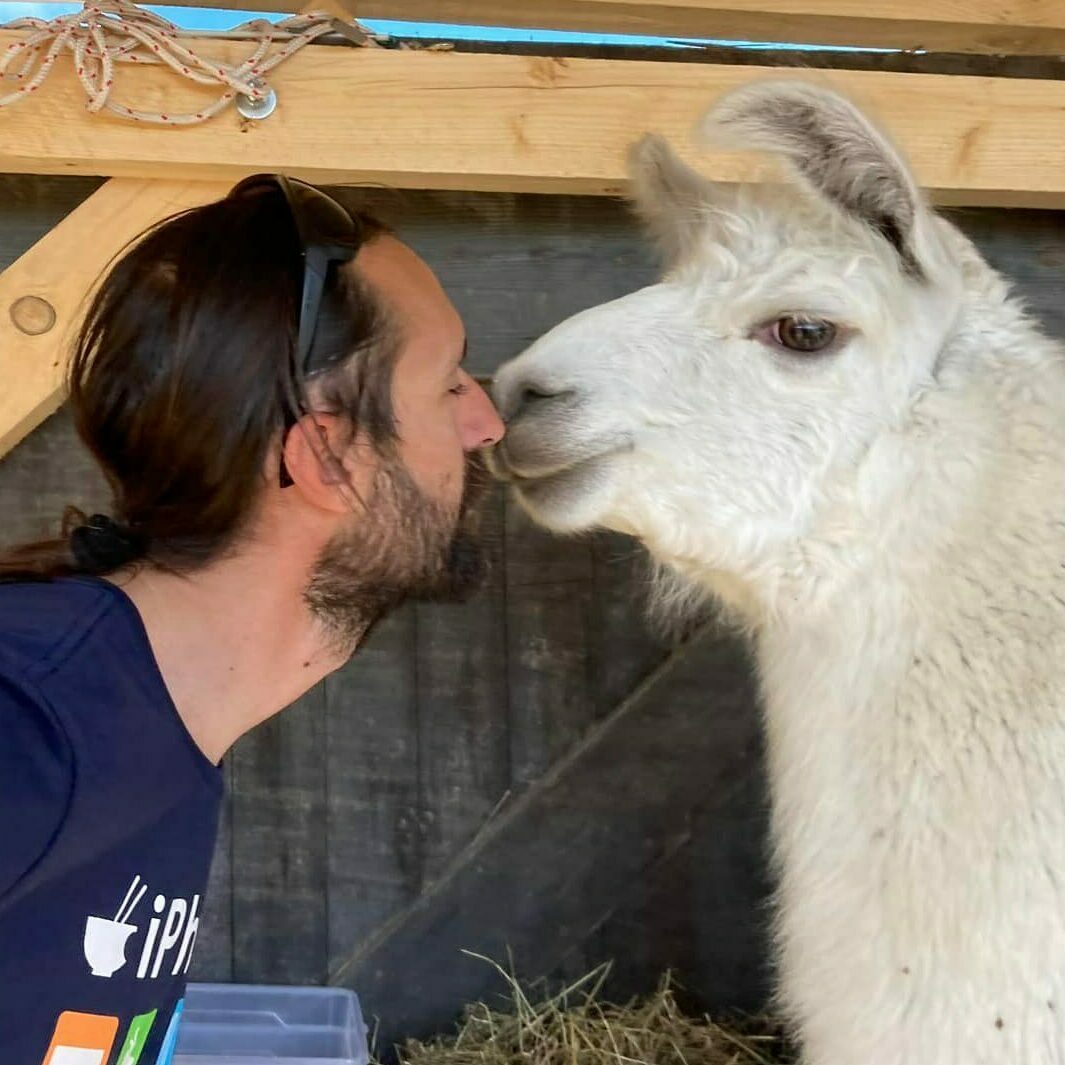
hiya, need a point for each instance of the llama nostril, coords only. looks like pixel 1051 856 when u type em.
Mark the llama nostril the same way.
pixel 533 395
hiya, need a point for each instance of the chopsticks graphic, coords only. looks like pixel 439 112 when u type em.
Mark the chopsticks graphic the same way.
pixel 129 903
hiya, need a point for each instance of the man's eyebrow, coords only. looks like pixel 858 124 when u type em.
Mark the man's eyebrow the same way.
pixel 465 350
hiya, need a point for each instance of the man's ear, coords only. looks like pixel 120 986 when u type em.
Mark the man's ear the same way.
pixel 313 454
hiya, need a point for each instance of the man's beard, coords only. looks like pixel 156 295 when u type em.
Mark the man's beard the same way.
pixel 405 546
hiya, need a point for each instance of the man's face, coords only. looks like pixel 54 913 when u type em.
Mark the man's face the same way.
pixel 416 536
pixel 442 414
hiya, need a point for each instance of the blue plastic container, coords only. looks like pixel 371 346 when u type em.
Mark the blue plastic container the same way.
pixel 255 1024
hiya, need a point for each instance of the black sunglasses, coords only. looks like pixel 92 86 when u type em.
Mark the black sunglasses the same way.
pixel 327 234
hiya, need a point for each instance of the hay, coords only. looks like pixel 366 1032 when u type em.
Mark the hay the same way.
pixel 574 1027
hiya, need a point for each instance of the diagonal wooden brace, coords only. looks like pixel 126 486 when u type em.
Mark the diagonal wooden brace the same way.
pixel 44 293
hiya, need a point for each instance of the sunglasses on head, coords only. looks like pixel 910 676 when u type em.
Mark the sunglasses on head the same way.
pixel 327 234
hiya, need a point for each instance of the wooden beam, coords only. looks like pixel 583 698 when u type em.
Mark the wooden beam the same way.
pixel 1034 27
pixel 933 25
pixel 42 294
pixel 518 123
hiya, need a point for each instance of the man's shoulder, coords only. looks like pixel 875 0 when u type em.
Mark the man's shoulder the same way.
pixel 41 622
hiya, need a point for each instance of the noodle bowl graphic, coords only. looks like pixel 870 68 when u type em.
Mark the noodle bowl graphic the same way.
pixel 106 938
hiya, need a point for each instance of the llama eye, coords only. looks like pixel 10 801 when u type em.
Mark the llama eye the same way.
pixel 803 335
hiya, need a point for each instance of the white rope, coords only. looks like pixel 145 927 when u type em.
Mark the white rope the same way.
pixel 106 32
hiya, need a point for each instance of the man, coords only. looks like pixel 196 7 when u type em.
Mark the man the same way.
pixel 274 388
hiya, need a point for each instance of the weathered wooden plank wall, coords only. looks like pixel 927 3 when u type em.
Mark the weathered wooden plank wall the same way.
pixel 534 770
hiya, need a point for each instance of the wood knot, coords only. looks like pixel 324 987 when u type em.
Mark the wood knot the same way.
pixel 548 70
pixel 32 315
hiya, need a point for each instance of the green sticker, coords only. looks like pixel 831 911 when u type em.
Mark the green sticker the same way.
pixel 136 1037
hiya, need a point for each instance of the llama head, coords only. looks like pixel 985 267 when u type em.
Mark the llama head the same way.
pixel 715 414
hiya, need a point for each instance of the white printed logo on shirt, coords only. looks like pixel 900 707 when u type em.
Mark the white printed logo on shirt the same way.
pixel 107 938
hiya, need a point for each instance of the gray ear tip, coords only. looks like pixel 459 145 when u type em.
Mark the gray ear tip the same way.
pixel 770 89
pixel 758 102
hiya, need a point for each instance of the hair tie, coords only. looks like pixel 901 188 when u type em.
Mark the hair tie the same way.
pixel 103 544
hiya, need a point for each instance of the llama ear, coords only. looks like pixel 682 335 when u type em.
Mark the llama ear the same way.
pixel 834 148
pixel 670 197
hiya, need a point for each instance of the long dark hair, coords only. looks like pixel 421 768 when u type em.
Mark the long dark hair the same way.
pixel 181 380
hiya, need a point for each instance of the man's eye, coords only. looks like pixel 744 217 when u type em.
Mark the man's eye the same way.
pixel 460 389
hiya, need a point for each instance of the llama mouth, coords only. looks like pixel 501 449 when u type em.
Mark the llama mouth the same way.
pixel 568 496
pixel 525 479
pixel 540 466
pixel 565 487
pixel 503 466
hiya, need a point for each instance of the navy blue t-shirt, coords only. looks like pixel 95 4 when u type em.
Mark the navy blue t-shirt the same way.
pixel 109 814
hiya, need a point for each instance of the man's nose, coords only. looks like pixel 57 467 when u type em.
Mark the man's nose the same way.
pixel 484 427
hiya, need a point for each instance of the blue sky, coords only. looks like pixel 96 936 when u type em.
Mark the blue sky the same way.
pixel 218 19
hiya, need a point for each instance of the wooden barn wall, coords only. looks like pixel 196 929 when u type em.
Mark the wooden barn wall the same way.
pixel 533 772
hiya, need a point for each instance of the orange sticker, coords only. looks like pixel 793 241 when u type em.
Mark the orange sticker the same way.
pixel 81 1039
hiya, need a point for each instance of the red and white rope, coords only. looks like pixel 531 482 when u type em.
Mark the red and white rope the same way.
pixel 109 32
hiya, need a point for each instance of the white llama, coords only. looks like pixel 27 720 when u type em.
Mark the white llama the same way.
pixel 831 416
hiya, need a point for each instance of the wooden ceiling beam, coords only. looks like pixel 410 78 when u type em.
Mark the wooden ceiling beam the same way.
pixel 989 26
pixel 933 25
pixel 516 123
pixel 43 293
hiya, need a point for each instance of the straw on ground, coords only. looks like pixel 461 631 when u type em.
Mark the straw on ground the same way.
pixel 576 1027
